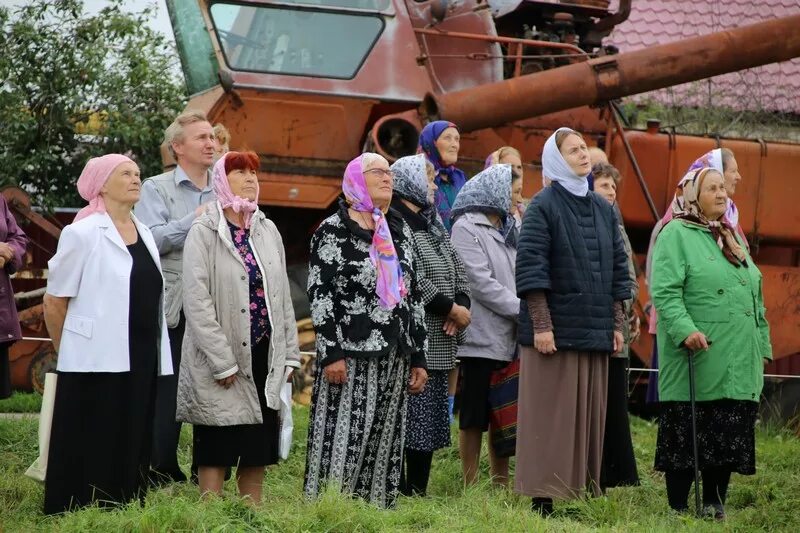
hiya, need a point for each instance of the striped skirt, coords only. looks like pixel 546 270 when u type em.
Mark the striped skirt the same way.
pixel 357 429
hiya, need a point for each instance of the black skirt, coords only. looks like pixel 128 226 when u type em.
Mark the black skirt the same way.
pixel 475 374
pixel 101 435
pixel 725 436
pixel 619 463
pixel 244 444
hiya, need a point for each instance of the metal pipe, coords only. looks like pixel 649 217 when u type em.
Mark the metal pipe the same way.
pixel 634 163
pixel 500 39
pixel 606 78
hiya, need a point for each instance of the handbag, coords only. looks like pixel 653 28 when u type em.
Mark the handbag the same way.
pixel 38 469
pixel 503 391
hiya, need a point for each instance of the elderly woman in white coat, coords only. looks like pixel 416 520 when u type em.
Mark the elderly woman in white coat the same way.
pixel 484 235
pixel 240 344
pixel 104 311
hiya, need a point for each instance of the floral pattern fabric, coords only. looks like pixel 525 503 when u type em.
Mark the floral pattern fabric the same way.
pixel 260 326
pixel 725 436
pixel 349 320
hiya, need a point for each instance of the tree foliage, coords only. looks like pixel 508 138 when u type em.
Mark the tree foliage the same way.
pixel 73 86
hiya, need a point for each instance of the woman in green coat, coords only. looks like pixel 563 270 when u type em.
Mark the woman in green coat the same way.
pixel 707 292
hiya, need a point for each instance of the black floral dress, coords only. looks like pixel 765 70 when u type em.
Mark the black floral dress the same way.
pixel 357 429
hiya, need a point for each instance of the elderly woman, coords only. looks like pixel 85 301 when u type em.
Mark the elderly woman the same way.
pixel 440 142
pixel 723 161
pixel 13 243
pixel 484 236
pixel 104 311
pixel 573 276
pixel 445 294
pixel 240 344
pixel 369 319
pixel 707 288
pixel 508 155
pixel 619 462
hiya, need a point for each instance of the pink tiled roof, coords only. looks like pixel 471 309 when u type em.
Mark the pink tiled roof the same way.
pixel 774 87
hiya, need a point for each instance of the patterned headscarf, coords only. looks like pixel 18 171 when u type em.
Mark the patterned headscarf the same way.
pixel 94 175
pixel 390 286
pixel 411 183
pixel 489 192
pixel 687 207
pixel 226 198
pixel 711 159
pixel 556 168
pixel 455 177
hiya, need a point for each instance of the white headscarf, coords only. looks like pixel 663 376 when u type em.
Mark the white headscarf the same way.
pixel 555 167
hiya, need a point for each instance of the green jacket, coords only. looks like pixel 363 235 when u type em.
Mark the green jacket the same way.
pixel 696 289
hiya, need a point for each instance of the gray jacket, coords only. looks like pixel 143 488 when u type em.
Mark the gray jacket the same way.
pixel 217 341
pixel 167 207
pixel 489 262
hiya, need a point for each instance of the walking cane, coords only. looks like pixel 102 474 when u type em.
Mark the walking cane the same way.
pixel 692 401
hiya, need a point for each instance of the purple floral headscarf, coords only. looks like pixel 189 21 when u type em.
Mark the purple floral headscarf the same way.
pixel 390 286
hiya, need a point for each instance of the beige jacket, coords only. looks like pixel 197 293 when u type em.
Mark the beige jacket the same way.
pixel 216 302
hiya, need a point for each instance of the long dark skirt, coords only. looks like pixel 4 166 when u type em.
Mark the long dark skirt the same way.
pixel 725 436
pixel 101 437
pixel 357 429
pixel 619 463
pixel 428 422
pixel 102 431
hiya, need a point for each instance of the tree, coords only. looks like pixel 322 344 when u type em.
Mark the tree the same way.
pixel 74 86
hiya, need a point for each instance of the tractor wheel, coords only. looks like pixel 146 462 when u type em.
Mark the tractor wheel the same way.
pixel 43 362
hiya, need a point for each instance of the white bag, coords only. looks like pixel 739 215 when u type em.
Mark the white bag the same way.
pixel 287 424
pixel 38 469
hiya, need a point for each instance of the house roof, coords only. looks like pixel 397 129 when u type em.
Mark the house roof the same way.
pixel 774 87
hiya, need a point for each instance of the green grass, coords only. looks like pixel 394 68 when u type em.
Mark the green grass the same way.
pixel 767 501
pixel 22 402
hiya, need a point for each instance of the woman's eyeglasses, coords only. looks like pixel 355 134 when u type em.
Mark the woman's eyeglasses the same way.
pixel 381 172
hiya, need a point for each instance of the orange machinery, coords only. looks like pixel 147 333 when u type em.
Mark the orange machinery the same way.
pixel 309 84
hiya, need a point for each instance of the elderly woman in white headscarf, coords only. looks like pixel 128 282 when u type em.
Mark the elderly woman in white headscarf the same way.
pixel 445 294
pixel 572 277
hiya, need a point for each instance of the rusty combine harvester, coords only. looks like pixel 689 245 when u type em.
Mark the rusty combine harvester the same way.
pixel 309 84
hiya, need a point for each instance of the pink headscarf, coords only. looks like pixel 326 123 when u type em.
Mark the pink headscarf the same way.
pixel 390 286
pixel 95 174
pixel 225 196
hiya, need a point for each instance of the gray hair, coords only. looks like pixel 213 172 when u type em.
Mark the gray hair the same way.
pixel 368 158
pixel 174 132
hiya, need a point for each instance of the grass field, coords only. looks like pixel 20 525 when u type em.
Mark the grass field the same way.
pixel 22 402
pixel 768 501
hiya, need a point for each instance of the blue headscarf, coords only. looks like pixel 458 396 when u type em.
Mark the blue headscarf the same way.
pixel 455 178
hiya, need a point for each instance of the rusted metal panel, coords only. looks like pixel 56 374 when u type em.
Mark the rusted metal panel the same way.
pixel 605 78
pixel 782 300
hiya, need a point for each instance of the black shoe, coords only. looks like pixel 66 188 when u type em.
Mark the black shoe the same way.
pixel 543 506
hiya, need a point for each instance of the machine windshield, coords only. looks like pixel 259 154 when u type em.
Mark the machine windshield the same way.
pixel 285 40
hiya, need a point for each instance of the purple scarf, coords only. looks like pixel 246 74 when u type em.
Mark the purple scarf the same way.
pixel 390 286
pixel 448 189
